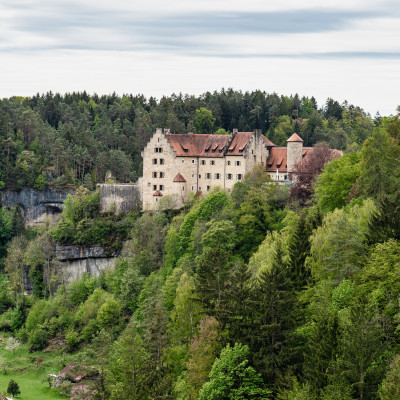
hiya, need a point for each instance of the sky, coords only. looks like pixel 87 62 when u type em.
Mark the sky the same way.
pixel 343 49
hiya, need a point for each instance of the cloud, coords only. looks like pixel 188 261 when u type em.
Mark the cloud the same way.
pixel 60 26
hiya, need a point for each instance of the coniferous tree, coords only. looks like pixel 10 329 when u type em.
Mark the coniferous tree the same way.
pixel 235 308
pixel 18 223
pixel 385 222
pixel 299 250
pixel 274 319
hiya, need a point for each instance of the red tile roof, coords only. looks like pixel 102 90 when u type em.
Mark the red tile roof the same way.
pixel 197 145
pixel 179 178
pixel 295 138
pixel 157 193
pixel 277 159
pixel 239 143
pixel 268 142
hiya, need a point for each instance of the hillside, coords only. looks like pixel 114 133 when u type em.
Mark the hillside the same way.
pixel 260 292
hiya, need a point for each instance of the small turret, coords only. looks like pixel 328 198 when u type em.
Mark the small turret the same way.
pixel 294 151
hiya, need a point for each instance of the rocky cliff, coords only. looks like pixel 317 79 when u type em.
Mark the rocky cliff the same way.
pixel 74 261
pixel 36 205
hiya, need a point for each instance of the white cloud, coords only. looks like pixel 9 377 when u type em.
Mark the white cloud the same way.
pixel 339 49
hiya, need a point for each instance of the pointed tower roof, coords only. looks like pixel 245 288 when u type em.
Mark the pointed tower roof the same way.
pixel 295 138
pixel 157 193
pixel 179 178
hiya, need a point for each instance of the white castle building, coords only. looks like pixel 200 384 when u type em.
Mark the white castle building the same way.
pixel 175 165
pixel 178 164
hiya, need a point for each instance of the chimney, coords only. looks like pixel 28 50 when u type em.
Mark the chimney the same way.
pixel 234 131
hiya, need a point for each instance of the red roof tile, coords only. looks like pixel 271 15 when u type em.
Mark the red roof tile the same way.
pixel 268 142
pixel 179 178
pixel 277 159
pixel 196 145
pixel 239 143
pixel 295 138
pixel 157 193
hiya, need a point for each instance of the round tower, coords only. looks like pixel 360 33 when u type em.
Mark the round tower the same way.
pixel 294 151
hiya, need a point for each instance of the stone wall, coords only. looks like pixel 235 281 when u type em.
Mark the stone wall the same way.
pixel 36 205
pixel 119 197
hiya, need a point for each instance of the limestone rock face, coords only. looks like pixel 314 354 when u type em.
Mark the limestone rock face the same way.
pixel 74 261
pixel 36 205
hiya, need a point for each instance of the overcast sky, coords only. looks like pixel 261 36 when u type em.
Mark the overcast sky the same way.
pixel 345 49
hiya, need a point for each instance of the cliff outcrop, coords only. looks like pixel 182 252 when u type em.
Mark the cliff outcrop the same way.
pixel 36 205
pixel 75 261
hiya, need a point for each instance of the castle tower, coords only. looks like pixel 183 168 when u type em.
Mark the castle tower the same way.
pixel 294 151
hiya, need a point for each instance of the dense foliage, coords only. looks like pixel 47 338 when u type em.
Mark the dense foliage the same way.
pixel 73 139
pixel 252 293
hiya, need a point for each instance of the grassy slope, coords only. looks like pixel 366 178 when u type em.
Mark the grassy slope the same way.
pixel 21 366
pixel 31 387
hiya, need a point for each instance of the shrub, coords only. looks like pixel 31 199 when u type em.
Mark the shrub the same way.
pixel 38 340
pixel 13 388
pixel 72 340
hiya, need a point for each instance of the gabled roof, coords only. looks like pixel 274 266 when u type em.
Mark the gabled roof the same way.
pixel 268 142
pixel 197 145
pixel 179 178
pixel 277 159
pixel 157 193
pixel 295 138
pixel 239 143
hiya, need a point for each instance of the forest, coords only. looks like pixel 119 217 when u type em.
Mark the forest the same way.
pixel 75 138
pixel 262 292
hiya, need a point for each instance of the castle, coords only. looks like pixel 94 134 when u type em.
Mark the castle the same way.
pixel 178 164
pixel 175 165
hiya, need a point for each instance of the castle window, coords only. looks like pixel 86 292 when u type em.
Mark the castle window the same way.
pixel 229 176
pixel 161 161
pixel 154 174
pixel 255 159
pixel 212 162
pixel 148 184
pixel 217 176
pixel 208 188
pixel 208 175
pixel 192 175
pixel 199 176
pixel 192 161
pixel 239 177
pixel 192 187
pixel 161 174
pixel 154 187
pixel 203 162
pixel 228 163
pixel 161 187
pixel 285 177
pixel 237 163
pixel 158 150
pixel 183 188
pixel 183 161
pixel 199 189
pixel 154 160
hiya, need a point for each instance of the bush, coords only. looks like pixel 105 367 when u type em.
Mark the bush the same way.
pixel 38 340
pixel 109 312
pixel 13 388
pixel 72 340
